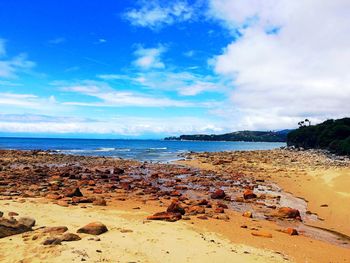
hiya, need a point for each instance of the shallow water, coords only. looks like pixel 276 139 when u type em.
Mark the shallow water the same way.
pixel 143 150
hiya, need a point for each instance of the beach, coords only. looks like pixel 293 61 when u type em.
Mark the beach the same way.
pixel 242 206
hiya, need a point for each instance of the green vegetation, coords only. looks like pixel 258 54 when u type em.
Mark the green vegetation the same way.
pixel 248 136
pixel 333 135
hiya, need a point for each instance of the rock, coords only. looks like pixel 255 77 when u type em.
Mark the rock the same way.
pixel 291 231
pixel 53 196
pixel 55 230
pixel 221 217
pixel 175 207
pixel 62 203
pixel 67 237
pixel 1 214
pixel 27 221
pixel 94 228
pixel 73 192
pixel 165 216
pixel 218 194
pixel 249 194
pixel 99 202
pixel 262 234
pixel 248 214
pixel 11 214
pixel 52 241
pixel 195 210
pixel 202 217
pixel 287 212
pixel 219 210
pixel 203 202
pixel 9 227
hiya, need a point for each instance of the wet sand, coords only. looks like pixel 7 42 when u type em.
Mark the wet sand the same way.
pixel 35 184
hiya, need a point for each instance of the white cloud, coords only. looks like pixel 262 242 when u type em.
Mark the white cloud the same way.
pixel 109 97
pixel 57 40
pixel 148 58
pixel 298 71
pixel 9 67
pixel 130 126
pixel 156 14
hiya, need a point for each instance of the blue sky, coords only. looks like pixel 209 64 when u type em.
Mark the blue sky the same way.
pixel 154 68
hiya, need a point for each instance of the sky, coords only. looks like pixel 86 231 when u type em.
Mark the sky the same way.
pixel 149 69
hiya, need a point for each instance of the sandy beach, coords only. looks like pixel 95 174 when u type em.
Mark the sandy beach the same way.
pixel 209 226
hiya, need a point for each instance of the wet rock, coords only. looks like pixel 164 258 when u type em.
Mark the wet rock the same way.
pixel 94 228
pixel 9 227
pixel 287 212
pixel 218 194
pixel 175 207
pixel 249 194
pixel 73 192
pixel 165 216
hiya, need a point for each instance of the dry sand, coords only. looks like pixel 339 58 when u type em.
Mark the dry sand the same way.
pixel 154 241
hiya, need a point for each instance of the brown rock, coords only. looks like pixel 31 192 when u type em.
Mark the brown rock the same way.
pixel 52 241
pixel 165 216
pixel 72 192
pixel 218 194
pixel 287 212
pixel 67 237
pixel 194 210
pixel 11 214
pixel 249 194
pixel 27 221
pixel 62 203
pixel 175 207
pixel 94 228
pixel 99 202
pixel 9 227
pixel 55 230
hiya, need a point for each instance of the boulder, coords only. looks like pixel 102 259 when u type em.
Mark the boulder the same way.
pixel 165 216
pixel 218 194
pixel 175 207
pixel 27 221
pixel 94 228
pixel 287 212
pixel 73 192
pixel 9 227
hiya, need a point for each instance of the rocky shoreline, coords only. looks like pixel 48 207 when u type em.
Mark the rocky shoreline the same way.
pixel 214 190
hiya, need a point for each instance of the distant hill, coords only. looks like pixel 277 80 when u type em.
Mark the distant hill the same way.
pixel 248 136
pixel 332 135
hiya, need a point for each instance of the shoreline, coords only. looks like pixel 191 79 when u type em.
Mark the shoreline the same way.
pixel 151 187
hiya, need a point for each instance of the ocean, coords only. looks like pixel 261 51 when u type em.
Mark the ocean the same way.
pixel 143 150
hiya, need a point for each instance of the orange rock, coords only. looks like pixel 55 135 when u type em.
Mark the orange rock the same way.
pixel 291 231
pixel 175 207
pixel 166 216
pixel 194 210
pixel 248 214
pixel 287 212
pixel 262 234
